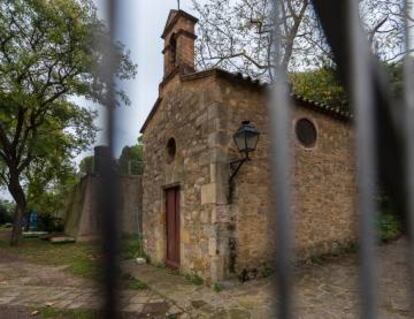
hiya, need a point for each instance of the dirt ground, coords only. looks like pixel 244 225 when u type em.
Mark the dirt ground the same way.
pixel 328 289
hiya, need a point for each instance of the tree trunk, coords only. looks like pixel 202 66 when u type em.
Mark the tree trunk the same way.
pixel 17 192
pixel 17 225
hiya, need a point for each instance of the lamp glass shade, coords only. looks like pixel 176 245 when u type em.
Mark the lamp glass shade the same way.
pixel 246 137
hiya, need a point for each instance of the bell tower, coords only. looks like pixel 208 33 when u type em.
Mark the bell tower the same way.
pixel 179 36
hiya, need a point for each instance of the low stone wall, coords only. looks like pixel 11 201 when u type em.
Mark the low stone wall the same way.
pixel 131 204
pixel 83 220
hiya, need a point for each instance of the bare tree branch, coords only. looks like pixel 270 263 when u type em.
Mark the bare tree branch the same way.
pixel 229 28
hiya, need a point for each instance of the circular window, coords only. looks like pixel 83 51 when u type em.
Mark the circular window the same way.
pixel 306 132
pixel 171 149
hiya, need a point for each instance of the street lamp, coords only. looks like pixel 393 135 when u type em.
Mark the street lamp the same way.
pixel 246 139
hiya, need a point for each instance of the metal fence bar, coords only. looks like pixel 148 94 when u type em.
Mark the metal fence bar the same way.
pixel 408 76
pixel 109 194
pixel 279 110
pixel 389 115
pixel 363 103
pixel 375 119
pixel 366 93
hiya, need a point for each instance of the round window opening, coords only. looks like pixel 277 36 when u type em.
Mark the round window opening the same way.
pixel 171 149
pixel 306 132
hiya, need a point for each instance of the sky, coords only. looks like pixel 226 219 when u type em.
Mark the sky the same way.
pixel 140 30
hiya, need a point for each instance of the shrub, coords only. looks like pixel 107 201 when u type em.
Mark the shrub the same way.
pixel 6 212
pixel 131 247
pixel 194 279
pixel 388 227
pixel 217 287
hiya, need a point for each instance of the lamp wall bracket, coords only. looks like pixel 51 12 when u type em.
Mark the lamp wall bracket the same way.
pixel 234 169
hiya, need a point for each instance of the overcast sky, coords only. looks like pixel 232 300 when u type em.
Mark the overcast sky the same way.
pixel 140 29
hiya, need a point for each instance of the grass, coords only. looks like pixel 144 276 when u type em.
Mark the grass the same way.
pixel 130 282
pixel 131 247
pixel 80 258
pixel 194 279
pixel 388 227
pixel 50 312
pixel 217 287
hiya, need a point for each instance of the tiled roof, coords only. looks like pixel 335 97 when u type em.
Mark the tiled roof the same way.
pixel 324 108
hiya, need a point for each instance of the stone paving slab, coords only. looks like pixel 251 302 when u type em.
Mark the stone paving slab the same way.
pixel 328 290
pixel 23 288
pixel 149 305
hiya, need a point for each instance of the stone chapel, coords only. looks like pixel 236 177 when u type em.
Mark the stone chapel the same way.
pixel 189 221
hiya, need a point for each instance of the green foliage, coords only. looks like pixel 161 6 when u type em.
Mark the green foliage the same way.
pixel 388 225
pixel 50 53
pixel 130 282
pixel 131 159
pixel 54 313
pixel 338 251
pixel 319 85
pixel 194 279
pixel 217 287
pixel 395 73
pixel 6 211
pixel 49 185
pixel 266 271
pixel 131 247
pixel 86 165
pixel 81 258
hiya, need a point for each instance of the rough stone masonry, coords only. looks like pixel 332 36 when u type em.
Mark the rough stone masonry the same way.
pixel 188 146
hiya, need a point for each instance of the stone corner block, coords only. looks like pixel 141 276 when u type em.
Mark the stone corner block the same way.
pixel 208 193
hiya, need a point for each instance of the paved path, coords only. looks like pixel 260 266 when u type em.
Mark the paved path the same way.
pixel 328 291
pixel 24 284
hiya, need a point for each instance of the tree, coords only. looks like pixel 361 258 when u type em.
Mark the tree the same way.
pixel 86 165
pixel 395 72
pixel 383 21
pixel 6 211
pixel 48 184
pixel 236 35
pixel 131 159
pixel 319 85
pixel 49 54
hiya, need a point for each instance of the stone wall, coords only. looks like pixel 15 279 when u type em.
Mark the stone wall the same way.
pixel 131 204
pixel 185 114
pixel 323 185
pixel 218 239
pixel 83 220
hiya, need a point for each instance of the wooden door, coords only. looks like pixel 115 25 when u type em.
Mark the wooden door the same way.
pixel 173 227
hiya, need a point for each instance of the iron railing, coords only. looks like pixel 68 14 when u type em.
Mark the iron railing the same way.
pixel 377 118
